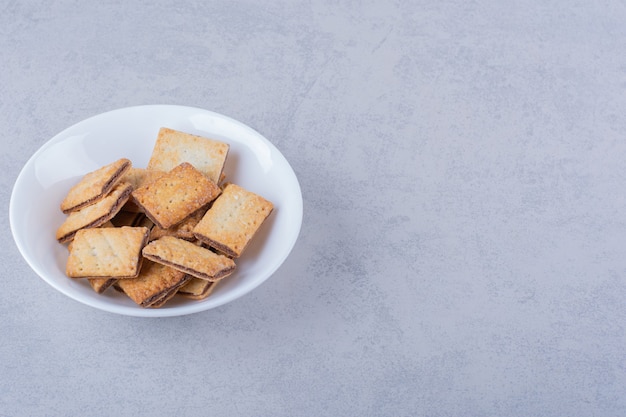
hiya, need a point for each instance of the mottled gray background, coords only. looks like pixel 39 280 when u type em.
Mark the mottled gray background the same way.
pixel 464 236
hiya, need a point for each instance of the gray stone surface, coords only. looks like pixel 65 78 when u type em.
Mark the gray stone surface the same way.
pixel 464 236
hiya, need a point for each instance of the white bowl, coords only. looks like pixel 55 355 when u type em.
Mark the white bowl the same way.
pixel 253 162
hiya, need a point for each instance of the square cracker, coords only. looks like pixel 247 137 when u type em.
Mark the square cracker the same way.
pixel 176 195
pixel 197 289
pixel 96 214
pixel 190 258
pixel 138 177
pixel 99 285
pixel 155 284
pixel 112 252
pixel 95 185
pixel 173 147
pixel 233 219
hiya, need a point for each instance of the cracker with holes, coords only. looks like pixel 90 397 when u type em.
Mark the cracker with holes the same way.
pixel 96 214
pixel 138 177
pixel 173 147
pixel 107 252
pixel 233 219
pixel 99 285
pixel 155 285
pixel 189 257
pixel 176 195
pixel 95 185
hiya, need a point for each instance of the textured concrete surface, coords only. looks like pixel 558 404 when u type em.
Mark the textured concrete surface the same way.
pixel 464 236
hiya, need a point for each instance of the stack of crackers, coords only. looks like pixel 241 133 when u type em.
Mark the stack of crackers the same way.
pixel 174 227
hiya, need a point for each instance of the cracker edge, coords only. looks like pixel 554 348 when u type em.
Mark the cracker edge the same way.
pixel 115 179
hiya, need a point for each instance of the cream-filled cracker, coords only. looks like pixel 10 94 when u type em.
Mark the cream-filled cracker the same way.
pixel 197 289
pixel 96 214
pixel 190 258
pixel 100 285
pixel 95 185
pixel 111 252
pixel 176 195
pixel 139 177
pixel 233 219
pixel 174 147
pixel 156 282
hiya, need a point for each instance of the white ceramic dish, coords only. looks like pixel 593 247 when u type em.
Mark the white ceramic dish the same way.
pixel 253 162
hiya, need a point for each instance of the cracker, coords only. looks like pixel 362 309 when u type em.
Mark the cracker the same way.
pixel 233 219
pixel 190 258
pixel 173 147
pixel 164 298
pixel 96 214
pixel 183 230
pixel 100 285
pixel 156 283
pixel 112 252
pixel 170 199
pixel 139 177
pixel 197 289
pixel 95 185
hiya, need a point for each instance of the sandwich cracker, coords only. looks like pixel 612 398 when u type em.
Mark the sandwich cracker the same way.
pixel 100 285
pixel 95 185
pixel 189 257
pixel 173 147
pixel 138 177
pixel 197 289
pixel 176 195
pixel 111 252
pixel 155 283
pixel 233 219
pixel 96 214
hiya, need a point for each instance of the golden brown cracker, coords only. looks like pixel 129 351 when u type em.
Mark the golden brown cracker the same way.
pixel 156 282
pixel 112 252
pixel 183 230
pixel 189 258
pixel 139 177
pixel 174 147
pixel 176 195
pixel 100 285
pixel 96 214
pixel 95 185
pixel 233 219
pixel 197 289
